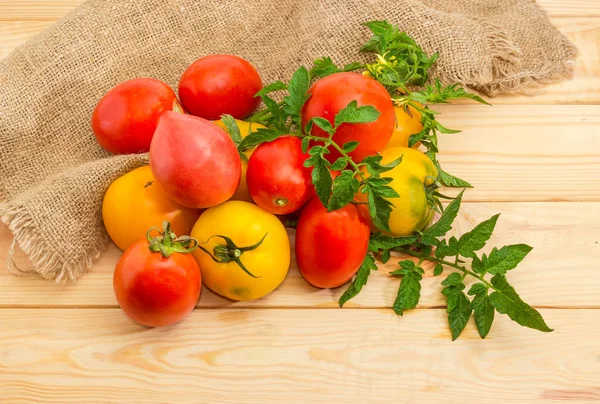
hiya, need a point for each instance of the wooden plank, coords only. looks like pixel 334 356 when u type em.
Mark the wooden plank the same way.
pixel 524 153
pixel 565 238
pixel 54 9
pixel 294 356
pixel 584 88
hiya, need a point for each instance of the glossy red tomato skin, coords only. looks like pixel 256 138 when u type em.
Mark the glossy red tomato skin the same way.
pixel 220 84
pixel 153 290
pixel 194 161
pixel 331 246
pixel 277 180
pixel 332 93
pixel 125 118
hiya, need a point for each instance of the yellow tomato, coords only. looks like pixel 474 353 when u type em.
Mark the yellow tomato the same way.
pixel 134 203
pixel 411 212
pixel 406 125
pixel 241 194
pixel 251 245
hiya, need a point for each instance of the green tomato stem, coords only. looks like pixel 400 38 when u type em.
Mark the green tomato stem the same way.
pixel 437 260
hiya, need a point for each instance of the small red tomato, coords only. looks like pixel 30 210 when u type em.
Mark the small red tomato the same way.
pixel 194 161
pixel 332 93
pixel 125 118
pixel 156 281
pixel 220 84
pixel 277 180
pixel 331 246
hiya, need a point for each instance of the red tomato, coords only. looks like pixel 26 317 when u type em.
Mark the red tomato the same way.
pixel 332 93
pixel 125 118
pixel 156 289
pixel 277 180
pixel 331 246
pixel 220 84
pixel 194 161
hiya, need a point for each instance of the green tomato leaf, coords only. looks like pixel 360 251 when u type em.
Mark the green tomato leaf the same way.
pixel 276 86
pixel 297 89
pixel 379 207
pixel 340 164
pixel 305 144
pixel 360 280
pixel 350 146
pixel 345 186
pixel 507 258
pixel 475 239
pixel 506 301
pixel 352 113
pixel 444 224
pixel 321 178
pixel 437 271
pixel 380 242
pixel 483 311
pixel 449 180
pixel 375 168
pixel 323 67
pixel 409 292
pixel 385 256
pixel 452 280
pixel 323 124
pixel 232 128
pixel 459 309
pixel 405 267
pixel 260 136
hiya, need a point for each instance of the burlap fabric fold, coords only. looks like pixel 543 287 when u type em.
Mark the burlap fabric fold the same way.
pixel 53 174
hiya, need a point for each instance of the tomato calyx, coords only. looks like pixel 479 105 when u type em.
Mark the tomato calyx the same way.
pixel 168 243
pixel 228 252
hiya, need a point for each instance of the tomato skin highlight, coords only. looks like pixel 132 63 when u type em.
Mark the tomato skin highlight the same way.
pixel 195 161
pixel 331 246
pixel 153 290
pixel 220 84
pixel 277 180
pixel 135 202
pixel 334 92
pixel 125 118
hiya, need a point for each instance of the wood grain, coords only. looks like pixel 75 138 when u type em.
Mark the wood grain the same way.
pixel 584 88
pixel 561 271
pixel 293 356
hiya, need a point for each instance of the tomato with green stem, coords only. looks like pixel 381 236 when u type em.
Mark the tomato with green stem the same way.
pixel 244 251
pixel 157 282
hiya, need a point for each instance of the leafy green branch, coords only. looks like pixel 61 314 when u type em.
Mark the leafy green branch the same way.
pixel 491 291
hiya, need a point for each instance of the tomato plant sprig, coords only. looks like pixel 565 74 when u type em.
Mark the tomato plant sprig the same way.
pixel 403 68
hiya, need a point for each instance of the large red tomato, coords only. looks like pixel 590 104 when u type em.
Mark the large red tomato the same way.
pixel 220 84
pixel 332 93
pixel 155 284
pixel 194 161
pixel 277 180
pixel 331 246
pixel 125 118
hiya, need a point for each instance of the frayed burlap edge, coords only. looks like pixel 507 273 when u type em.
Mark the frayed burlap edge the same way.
pixel 48 266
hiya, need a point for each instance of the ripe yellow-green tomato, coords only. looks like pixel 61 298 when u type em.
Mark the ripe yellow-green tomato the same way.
pixel 135 202
pixel 411 212
pixel 407 123
pixel 251 246
pixel 241 194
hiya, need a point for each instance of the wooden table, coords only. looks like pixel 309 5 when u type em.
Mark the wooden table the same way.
pixel 534 160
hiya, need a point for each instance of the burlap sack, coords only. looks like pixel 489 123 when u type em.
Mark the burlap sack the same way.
pixel 52 172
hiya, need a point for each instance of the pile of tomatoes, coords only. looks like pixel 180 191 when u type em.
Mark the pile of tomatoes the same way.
pixel 202 212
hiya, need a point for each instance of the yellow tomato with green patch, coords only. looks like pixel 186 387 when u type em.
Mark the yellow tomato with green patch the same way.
pixel 410 179
pixel 242 194
pixel 243 251
pixel 408 122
